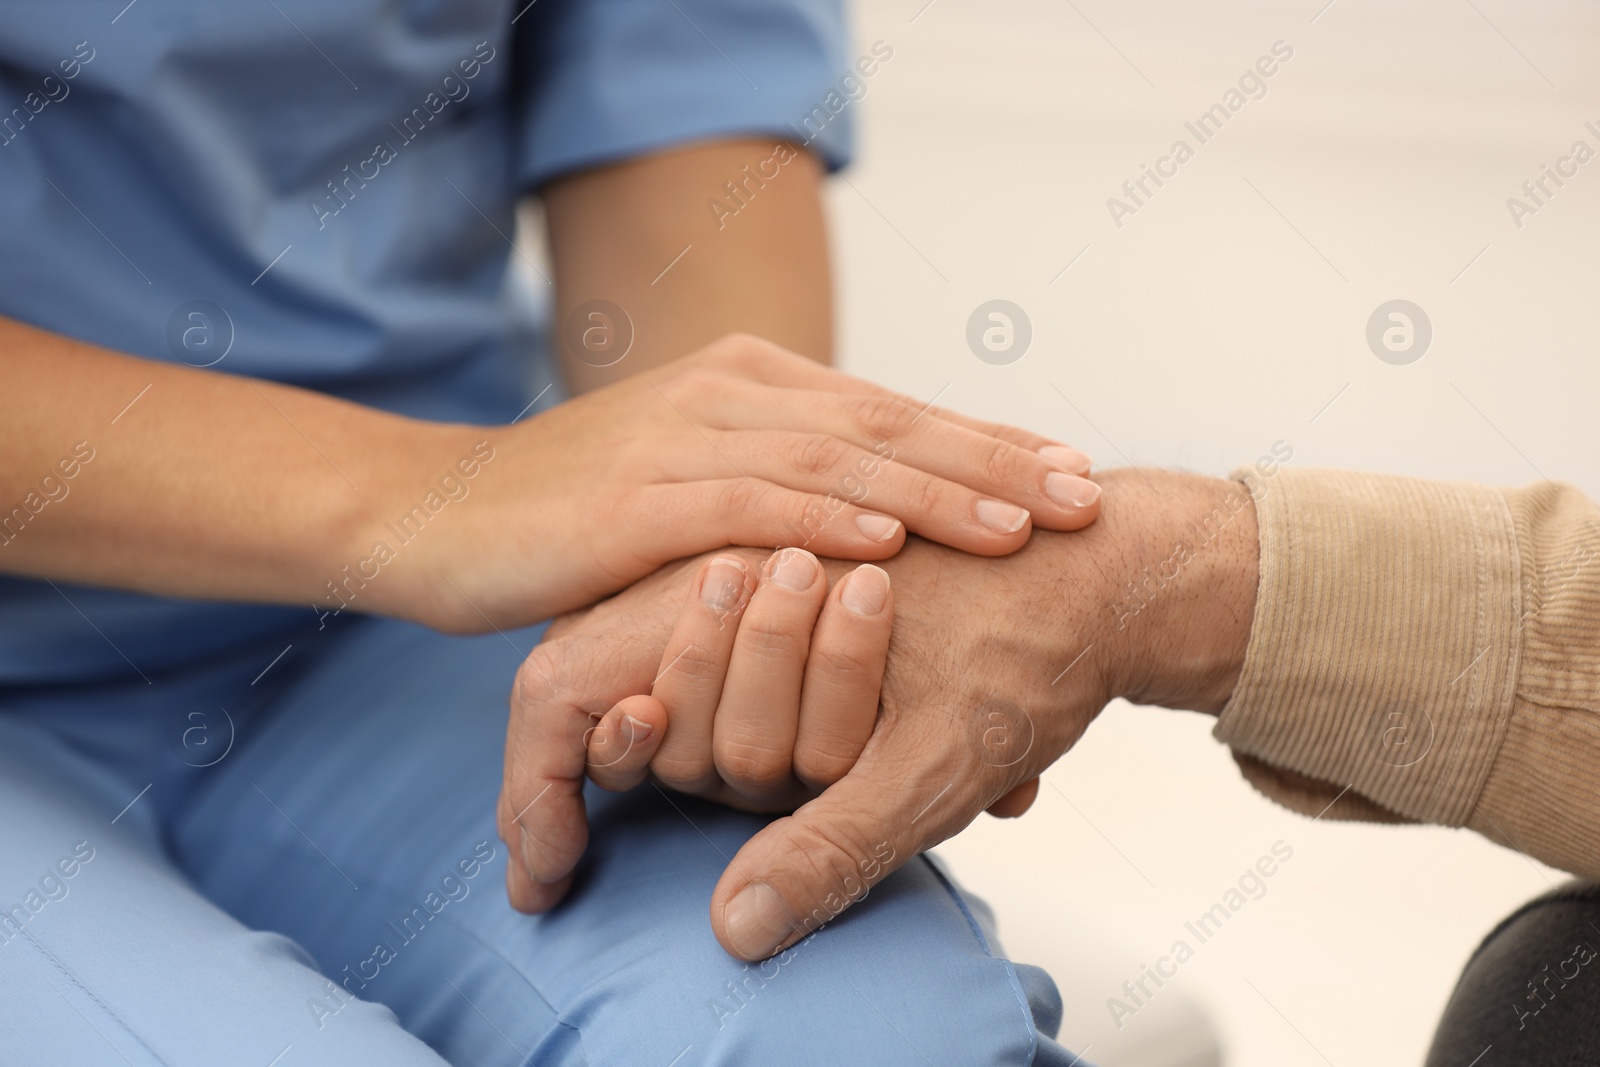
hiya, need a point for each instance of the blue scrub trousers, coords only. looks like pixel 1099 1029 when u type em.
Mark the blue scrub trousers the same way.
pixel 299 866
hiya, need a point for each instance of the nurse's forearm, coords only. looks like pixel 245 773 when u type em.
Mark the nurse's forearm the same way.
pixel 147 476
pixel 691 244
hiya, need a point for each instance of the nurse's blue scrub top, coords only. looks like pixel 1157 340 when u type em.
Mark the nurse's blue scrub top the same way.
pixel 336 176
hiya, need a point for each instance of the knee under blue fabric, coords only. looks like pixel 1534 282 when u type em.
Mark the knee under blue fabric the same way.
pixel 300 867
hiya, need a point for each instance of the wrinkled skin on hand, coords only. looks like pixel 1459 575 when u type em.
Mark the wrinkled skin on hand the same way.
pixel 996 668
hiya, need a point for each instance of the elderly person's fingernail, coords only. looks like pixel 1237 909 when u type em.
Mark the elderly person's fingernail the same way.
pixel 722 589
pixel 1001 517
pixel 527 852
pixel 866 590
pixel 877 527
pixel 1067 458
pixel 757 921
pixel 635 731
pixel 793 568
pixel 1069 491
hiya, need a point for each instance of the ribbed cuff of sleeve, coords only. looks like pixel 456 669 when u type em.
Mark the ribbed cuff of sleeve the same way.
pixel 1384 651
pixel 1543 795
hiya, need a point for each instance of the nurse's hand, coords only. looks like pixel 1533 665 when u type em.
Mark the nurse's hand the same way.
pixel 741 443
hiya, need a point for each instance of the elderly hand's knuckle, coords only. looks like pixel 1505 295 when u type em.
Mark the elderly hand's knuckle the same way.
pixel 684 773
pixel 822 761
pixel 538 679
pixel 750 765
pixel 770 640
pixel 698 668
pixel 843 664
pixel 836 852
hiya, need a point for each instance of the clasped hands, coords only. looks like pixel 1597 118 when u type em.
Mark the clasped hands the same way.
pixel 884 708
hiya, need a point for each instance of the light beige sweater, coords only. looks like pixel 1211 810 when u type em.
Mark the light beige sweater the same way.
pixel 1428 651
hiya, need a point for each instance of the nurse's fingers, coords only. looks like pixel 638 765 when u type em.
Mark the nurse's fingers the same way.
pixel 689 684
pixel 783 368
pixel 844 675
pixel 624 742
pixel 794 435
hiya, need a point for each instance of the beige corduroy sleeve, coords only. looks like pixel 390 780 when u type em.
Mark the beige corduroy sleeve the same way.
pixel 1427 651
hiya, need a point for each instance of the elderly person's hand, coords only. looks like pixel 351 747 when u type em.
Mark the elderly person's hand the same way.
pixel 767 691
pixel 996 668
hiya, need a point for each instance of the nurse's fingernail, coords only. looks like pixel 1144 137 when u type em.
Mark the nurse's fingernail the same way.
pixel 793 568
pixel 722 589
pixel 1068 459
pixel 866 590
pixel 1071 492
pixel 757 921
pixel 1001 517
pixel 877 527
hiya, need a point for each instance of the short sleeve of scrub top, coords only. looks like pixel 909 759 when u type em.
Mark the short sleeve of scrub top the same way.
pixel 332 185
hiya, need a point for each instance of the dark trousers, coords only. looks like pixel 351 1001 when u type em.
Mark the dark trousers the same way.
pixel 1530 995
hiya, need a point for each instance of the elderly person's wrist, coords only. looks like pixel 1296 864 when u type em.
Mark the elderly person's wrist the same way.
pixel 1179 555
